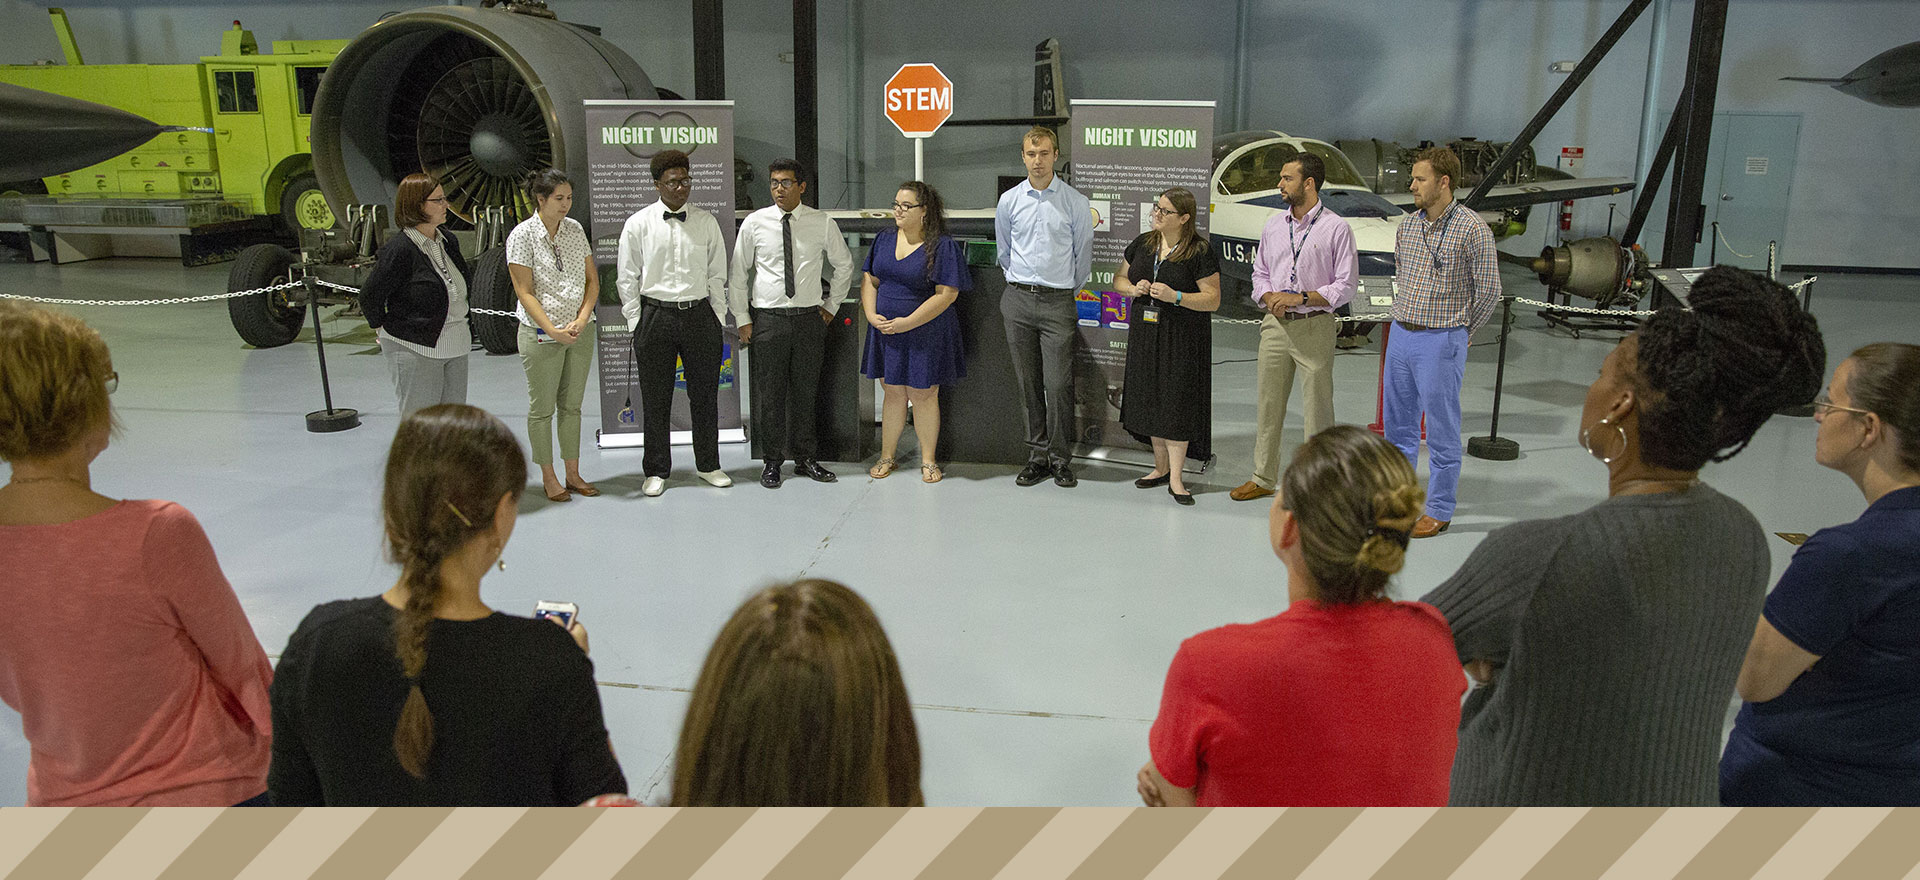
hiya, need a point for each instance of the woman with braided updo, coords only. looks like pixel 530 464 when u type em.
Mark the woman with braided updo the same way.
pixel 1608 641
pixel 1347 698
pixel 424 696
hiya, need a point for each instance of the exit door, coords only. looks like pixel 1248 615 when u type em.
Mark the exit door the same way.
pixel 1749 181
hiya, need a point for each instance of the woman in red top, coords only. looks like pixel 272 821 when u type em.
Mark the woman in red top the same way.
pixel 1345 699
pixel 136 675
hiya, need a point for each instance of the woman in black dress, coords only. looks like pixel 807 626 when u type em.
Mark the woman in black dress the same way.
pixel 1175 282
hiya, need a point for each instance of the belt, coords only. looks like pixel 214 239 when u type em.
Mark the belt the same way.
pixel 678 305
pixel 1412 326
pixel 1035 288
pixel 1300 316
pixel 789 310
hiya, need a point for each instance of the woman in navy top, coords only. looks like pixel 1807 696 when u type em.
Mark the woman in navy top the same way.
pixel 1832 678
pixel 914 274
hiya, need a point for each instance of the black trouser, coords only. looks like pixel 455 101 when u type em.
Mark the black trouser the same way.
pixel 787 347
pixel 693 336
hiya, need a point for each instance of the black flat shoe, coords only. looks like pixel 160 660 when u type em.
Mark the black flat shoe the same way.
pixel 770 475
pixel 1032 474
pixel 1150 482
pixel 1184 500
pixel 813 471
pixel 1063 476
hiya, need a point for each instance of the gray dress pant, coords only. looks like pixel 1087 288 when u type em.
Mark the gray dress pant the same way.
pixel 1041 329
pixel 421 381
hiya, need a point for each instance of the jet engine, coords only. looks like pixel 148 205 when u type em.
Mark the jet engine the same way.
pixel 477 97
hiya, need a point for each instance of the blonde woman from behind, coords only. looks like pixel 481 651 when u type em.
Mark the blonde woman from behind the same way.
pixel 1347 698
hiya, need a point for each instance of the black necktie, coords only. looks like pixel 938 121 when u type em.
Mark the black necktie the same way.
pixel 786 246
pixel 675 215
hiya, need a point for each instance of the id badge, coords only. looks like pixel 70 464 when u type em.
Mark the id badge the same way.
pixel 1150 315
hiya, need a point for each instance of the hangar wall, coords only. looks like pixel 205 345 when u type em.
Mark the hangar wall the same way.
pixel 1321 68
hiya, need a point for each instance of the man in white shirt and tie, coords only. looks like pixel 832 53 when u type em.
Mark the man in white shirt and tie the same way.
pixel 777 262
pixel 673 292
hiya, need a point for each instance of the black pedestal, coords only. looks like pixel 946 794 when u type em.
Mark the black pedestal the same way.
pixel 980 416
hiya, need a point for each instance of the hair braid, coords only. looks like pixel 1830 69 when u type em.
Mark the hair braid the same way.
pixel 447 470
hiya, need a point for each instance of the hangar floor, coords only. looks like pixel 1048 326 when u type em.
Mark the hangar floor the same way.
pixel 1034 625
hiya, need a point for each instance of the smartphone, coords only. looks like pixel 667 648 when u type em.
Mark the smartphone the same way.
pixel 562 613
pixel 540 335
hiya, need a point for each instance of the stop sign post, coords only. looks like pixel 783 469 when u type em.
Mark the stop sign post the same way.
pixel 918 100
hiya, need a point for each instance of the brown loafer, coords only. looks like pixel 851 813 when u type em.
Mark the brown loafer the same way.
pixel 587 489
pixel 1427 527
pixel 1248 491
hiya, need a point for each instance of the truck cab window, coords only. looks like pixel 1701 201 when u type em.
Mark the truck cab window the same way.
pixel 236 91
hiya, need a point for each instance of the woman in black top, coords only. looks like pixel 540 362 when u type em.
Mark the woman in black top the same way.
pixel 416 300
pixel 424 696
pixel 1175 282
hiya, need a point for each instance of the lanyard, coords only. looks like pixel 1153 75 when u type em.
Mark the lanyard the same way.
pixel 1293 247
pixel 1445 220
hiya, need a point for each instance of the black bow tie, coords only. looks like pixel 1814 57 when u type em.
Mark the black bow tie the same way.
pixel 675 215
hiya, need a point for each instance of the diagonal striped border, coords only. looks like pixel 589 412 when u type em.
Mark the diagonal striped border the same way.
pixel 959 844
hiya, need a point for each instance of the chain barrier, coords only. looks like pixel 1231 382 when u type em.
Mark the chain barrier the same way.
pixel 176 300
pixel 1729 245
pixel 470 309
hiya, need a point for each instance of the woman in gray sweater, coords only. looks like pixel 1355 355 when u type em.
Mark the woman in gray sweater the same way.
pixel 1607 642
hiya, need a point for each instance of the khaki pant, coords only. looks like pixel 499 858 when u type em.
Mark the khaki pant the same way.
pixel 556 379
pixel 1305 344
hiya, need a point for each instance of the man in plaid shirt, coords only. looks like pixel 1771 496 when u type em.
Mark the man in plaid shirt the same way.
pixel 1447 283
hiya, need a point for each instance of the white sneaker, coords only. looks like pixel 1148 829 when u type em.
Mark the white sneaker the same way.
pixel 717 479
pixel 653 486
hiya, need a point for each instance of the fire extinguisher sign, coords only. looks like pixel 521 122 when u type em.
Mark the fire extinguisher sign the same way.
pixel 1572 159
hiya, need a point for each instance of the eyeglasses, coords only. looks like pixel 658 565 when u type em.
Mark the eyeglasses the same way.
pixel 1163 212
pixel 784 183
pixel 112 383
pixel 675 182
pixel 1825 403
pixel 904 206
pixel 442 200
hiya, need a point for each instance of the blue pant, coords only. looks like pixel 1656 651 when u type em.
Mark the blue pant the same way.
pixel 1423 373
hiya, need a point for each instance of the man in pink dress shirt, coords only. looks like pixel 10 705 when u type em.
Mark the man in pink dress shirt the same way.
pixel 1303 269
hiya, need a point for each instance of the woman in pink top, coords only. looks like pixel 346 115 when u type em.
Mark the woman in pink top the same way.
pixel 133 668
pixel 1347 698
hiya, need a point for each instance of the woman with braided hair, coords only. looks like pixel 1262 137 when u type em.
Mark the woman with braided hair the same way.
pixel 424 696
pixel 1347 698
pixel 1607 642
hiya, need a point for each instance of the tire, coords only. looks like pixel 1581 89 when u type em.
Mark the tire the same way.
pixel 303 205
pixel 493 289
pixel 264 320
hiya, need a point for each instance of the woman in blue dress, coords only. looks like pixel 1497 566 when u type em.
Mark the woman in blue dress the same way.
pixel 914 274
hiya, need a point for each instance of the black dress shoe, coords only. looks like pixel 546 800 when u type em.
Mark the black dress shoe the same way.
pixel 1185 500
pixel 770 475
pixel 812 470
pixel 1032 474
pixel 1063 476
pixel 1150 482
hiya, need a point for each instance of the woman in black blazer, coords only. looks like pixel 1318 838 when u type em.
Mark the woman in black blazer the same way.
pixel 416 300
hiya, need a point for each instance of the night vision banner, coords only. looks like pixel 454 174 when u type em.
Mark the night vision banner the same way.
pixel 1124 154
pixel 623 137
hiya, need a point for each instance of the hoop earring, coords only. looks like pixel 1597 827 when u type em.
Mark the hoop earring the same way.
pixel 1586 440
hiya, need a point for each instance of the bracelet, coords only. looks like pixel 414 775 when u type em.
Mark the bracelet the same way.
pixel 1178 296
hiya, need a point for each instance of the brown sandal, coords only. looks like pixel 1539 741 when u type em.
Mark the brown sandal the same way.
pixel 881 469
pixel 588 490
pixel 563 496
pixel 931 473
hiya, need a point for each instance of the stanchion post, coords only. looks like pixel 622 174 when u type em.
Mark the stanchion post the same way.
pixel 329 420
pixel 1494 447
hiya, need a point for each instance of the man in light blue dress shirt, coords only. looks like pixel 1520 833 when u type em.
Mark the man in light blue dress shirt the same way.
pixel 1044 229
